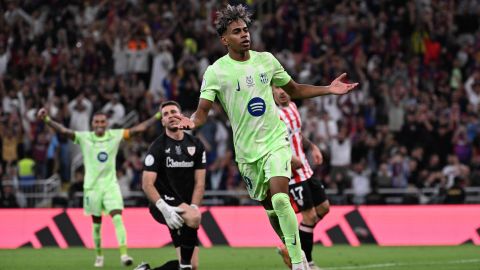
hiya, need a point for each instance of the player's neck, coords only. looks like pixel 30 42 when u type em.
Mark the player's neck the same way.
pixel 239 56
pixel 176 135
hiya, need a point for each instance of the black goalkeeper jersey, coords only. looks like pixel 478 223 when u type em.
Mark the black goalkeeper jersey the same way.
pixel 175 163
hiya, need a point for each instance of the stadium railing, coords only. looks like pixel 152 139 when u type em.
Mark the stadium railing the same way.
pixel 48 193
pixel 38 193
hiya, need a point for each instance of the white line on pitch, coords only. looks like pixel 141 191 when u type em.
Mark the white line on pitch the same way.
pixel 385 265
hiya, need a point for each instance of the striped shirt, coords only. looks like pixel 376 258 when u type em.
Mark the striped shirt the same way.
pixel 291 117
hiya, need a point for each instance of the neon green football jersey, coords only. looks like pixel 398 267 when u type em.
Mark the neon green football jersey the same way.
pixel 99 155
pixel 245 92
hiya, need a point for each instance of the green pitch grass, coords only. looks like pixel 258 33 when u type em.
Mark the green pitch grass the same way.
pixel 465 257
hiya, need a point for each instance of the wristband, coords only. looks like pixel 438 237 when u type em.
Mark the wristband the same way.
pixel 46 119
pixel 158 115
pixel 194 206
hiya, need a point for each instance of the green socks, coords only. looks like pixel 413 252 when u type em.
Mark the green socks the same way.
pixel 121 233
pixel 272 216
pixel 97 239
pixel 289 225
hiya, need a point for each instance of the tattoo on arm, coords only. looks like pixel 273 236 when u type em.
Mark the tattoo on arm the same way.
pixel 62 129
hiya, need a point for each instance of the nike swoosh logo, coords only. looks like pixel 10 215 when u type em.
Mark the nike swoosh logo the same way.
pixel 238 85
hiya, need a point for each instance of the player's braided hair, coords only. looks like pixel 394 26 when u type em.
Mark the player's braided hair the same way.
pixel 230 14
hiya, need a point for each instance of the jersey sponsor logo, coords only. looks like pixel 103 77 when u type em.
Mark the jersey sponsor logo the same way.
pixel 102 156
pixel 264 77
pixel 249 81
pixel 149 160
pixel 191 150
pixel 256 107
pixel 168 198
pixel 171 163
pixel 238 85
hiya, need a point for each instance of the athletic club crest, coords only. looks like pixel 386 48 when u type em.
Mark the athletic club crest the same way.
pixel 263 78
pixel 191 150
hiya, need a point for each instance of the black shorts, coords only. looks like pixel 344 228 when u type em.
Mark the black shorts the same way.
pixel 307 194
pixel 157 215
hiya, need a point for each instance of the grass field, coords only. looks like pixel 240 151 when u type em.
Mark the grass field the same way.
pixel 465 257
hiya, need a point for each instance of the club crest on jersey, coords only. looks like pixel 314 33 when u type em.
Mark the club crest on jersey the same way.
pixel 256 107
pixel 178 149
pixel 249 81
pixel 191 150
pixel 102 156
pixel 264 77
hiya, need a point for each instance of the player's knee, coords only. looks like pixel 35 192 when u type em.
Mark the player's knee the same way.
pixel 194 222
pixel 280 201
pixel 323 209
pixel 193 219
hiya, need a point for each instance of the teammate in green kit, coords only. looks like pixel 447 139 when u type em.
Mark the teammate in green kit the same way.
pixel 101 190
pixel 241 81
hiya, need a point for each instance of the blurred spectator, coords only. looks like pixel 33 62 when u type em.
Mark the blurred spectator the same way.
pixel 80 110
pixel 162 65
pixel 115 111
pixel 360 177
pixel 74 198
pixel 456 193
pixel 8 198
pixel 26 172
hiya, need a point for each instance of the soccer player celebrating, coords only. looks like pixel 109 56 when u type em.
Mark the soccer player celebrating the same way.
pixel 174 182
pixel 241 81
pixel 101 190
pixel 306 194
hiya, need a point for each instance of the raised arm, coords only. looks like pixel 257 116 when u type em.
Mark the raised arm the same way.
pixel 302 91
pixel 198 118
pixel 43 115
pixel 144 125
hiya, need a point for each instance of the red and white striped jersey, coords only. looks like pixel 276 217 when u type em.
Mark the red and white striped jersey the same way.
pixel 291 117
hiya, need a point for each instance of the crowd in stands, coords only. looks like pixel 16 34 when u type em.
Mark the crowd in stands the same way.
pixel 413 121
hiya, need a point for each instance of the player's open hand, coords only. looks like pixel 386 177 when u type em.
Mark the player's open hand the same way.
pixel 338 87
pixel 41 114
pixel 171 214
pixel 184 122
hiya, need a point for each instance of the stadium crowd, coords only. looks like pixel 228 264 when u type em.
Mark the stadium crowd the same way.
pixel 413 122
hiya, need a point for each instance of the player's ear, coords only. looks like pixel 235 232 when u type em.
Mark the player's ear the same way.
pixel 223 39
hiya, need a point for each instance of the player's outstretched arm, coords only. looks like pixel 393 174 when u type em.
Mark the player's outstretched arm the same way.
pixel 198 118
pixel 302 91
pixel 145 124
pixel 43 115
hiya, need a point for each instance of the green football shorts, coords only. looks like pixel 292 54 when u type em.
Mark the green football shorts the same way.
pixel 97 200
pixel 257 174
